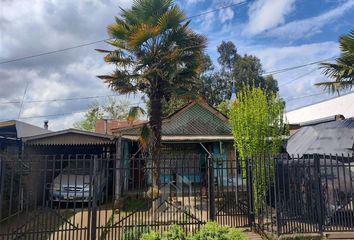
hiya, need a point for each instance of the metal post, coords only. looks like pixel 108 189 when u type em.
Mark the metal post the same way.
pixel 211 190
pixel 94 199
pixel 118 170
pixel 319 197
pixel 251 215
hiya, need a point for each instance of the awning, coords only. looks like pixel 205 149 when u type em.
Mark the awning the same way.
pixel 185 138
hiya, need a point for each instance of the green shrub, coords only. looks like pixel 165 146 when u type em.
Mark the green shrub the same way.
pixel 210 231
pixel 213 231
pixel 174 233
pixel 135 233
pixel 152 235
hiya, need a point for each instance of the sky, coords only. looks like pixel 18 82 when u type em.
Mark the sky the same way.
pixel 282 33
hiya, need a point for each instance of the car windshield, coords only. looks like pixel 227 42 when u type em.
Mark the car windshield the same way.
pixel 78 168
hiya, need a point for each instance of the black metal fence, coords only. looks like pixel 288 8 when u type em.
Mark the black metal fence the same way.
pixel 102 197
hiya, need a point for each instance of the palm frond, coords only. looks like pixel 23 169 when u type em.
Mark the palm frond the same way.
pixel 135 113
pixel 141 34
pixel 343 70
pixel 171 19
pixel 121 81
pixel 145 136
pixel 116 30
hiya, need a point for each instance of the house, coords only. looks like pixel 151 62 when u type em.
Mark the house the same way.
pixel 341 105
pixel 189 137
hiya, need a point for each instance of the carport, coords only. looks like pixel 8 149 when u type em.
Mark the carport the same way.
pixel 48 155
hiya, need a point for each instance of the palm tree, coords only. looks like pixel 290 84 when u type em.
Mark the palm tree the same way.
pixel 156 53
pixel 343 70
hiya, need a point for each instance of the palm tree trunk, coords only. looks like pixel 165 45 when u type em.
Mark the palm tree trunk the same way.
pixel 156 122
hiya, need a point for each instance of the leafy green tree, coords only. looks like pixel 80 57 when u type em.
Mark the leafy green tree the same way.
pixel 111 109
pixel 227 55
pixel 258 126
pixel 156 53
pixel 342 72
pixel 247 70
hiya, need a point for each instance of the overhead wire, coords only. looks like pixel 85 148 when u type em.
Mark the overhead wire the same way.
pixel 272 72
pixel 282 70
pixel 66 113
pixel 107 39
pixel 298 77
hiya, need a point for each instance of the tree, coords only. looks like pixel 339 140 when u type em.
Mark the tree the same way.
pixel 111 109
pixel 342 72
pixel 227 55
pixel 257 125
pixel 246 70
pixel 155 52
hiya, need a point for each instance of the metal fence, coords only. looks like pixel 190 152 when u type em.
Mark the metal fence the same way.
pixel 103 197
pixel 308 194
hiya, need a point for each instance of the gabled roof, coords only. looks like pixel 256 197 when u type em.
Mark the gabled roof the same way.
pixel 197 119
pixel 336 137
pixel 69 137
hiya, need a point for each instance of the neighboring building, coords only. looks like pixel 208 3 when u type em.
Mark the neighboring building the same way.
pixel 324 138
pixel 105 126
pixel 341 105
pixel 11 133
pixel 189 136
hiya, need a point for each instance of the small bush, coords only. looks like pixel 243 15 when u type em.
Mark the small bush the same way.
pixel 175 233
pixel 213 231
pixel 135 233
pixel 210 231
pixel 152 235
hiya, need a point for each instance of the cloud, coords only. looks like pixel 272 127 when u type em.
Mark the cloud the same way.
pixel 226 14
pixel 310 26
pixel 192 2
pixel 38 26
pixel 267 14
pixel 301 81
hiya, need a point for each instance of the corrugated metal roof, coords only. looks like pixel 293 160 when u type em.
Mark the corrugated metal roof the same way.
pixel 338 105
pixel 196 119
pixel 335 137
pixel 69 137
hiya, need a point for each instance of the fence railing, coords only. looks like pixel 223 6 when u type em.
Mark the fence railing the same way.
pixel 103 197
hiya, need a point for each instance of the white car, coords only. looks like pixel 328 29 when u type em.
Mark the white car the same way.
pixel 74 185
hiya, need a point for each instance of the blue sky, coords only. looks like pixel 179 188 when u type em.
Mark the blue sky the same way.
pixel 282 33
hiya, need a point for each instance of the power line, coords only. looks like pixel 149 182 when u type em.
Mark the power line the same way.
pixel 51 52
pixel 59 99
pixel 103 40
pixel 298 77
pixel 66 113
pixel 216 9
pixel 305 96
pixel 273 72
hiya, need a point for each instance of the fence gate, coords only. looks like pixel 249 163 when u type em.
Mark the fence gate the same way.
pixel 228 193
pixel 95 197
